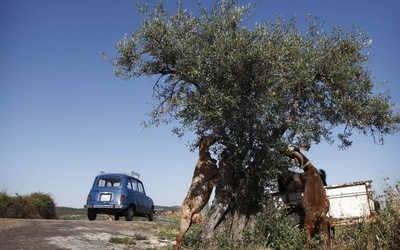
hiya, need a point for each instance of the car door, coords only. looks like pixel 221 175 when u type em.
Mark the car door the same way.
pixel 130 192
pixel 137 195
pixel 145 201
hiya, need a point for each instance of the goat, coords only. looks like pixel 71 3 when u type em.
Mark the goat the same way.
pixel 291 181
pixel 315 201
pixel 204 177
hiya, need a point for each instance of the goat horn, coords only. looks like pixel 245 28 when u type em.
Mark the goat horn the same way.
pixel 300 156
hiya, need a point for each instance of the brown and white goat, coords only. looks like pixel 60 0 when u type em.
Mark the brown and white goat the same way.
pixel 205 174
pixel 315 202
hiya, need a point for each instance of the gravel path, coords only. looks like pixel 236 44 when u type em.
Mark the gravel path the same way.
pixel 77 234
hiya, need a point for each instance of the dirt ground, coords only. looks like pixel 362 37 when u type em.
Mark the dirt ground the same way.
pixel 78 234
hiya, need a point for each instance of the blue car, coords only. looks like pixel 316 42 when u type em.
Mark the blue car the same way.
pixel 119 195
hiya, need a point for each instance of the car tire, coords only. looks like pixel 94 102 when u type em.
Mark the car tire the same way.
pixel 130 213
pixel 91 213
pixel 116 217
pixel 150 216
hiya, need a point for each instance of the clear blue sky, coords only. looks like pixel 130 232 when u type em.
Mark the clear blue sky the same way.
pixel 64 116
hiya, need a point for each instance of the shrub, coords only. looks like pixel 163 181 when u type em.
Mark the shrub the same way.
pixel 383 234
pixel 192 239
pixel 389 218
pixel 33 206
pixel 24 208
pixel 5 205
pixel 275 229
pixel 127 240
pixel 44 204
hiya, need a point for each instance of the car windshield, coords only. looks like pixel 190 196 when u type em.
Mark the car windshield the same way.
pixel 109 182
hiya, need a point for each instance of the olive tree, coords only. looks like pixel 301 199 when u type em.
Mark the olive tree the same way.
pixel 254 89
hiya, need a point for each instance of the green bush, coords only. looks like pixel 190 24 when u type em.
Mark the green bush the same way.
pixel 383 234
pixel 34 206
pixel 192 239
pixel 127 240
pixel 23 208
pixel 274 229
pixel 389 218
pixel 44 204
pixel 5 205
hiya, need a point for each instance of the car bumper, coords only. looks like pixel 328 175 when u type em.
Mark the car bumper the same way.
pixel 113 206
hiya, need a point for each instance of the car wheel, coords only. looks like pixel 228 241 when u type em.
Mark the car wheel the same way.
pixel 151 215
pixel 116 217
pixel 129 213
pixel 91 213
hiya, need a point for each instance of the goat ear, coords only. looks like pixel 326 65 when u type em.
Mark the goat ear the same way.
pixel 305 147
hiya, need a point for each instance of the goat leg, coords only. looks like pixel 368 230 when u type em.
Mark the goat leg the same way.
pixel 327 228
pixel 309 224
pixel 186 222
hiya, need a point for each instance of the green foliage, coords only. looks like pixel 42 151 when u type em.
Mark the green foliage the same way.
pixel 192 239
pixel 255 88
pixel 265 83
pixel 168 234
pixel 276 229
pixel 384 234
pixel 128 240
pixel 390 218
pixel 138 236
pixel 171 230
pixel 5 205
pixel 45 205
pixel 34 206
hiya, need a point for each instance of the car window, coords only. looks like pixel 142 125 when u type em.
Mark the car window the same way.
pixel 109 182
pixel 141 189
pixel 129 184
pixel 135 185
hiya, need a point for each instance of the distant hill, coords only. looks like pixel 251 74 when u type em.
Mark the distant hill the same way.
pixel 167 208
pixel 70 210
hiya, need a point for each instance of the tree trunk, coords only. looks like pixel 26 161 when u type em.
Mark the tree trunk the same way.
pixel 231 211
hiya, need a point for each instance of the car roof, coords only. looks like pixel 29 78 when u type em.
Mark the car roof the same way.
pixel 111 175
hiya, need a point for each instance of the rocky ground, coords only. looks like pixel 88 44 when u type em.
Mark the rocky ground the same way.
pixel 82 234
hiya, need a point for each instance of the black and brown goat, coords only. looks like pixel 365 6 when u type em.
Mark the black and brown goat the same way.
pixel 204 177
pixel 315 202
pixel 290 181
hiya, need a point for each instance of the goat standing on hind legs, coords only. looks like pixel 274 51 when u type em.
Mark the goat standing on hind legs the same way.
pixel 315 201
pixel 205 174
